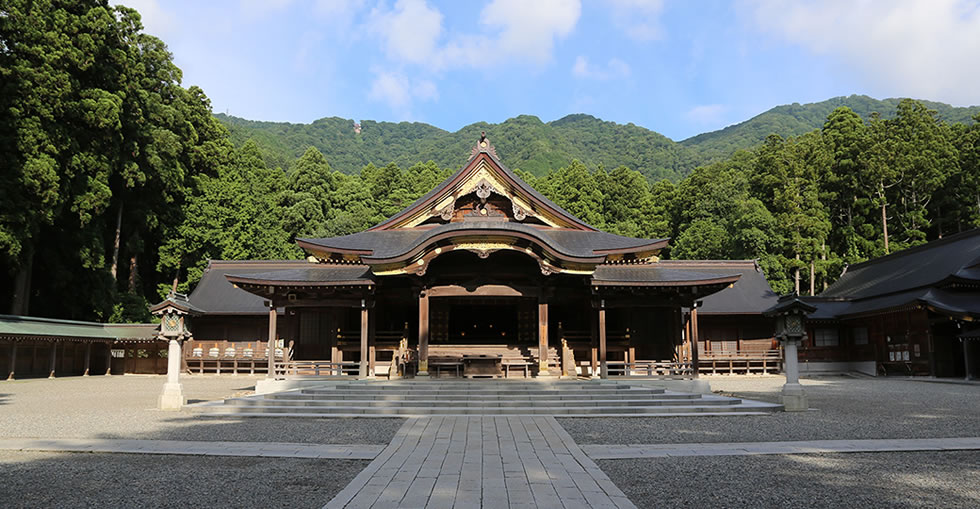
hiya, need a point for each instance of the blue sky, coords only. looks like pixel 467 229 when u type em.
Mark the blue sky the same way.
pixel 677 67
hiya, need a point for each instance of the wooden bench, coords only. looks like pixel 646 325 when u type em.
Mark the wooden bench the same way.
pixel 439 363
pixel 518 363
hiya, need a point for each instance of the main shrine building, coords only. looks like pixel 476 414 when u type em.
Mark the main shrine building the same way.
pixel 482 276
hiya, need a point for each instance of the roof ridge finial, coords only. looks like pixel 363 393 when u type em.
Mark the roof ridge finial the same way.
pixel 483 146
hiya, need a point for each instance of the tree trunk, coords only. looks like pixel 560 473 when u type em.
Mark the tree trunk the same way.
pixel 823 256
pixel 884 225
pixel 796 275
pixel 173 289
pixel 21 299
pixel 132 273
pixel 115 246
pixel 813 275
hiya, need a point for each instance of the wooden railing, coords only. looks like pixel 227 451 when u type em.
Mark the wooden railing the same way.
pixel 745 362
pixel 232 357
pixel 658 369
pixel 299 369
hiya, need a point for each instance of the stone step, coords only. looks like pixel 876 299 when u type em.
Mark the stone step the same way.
pixel 491 397
pixel 453 392
pixel 478 403
pixel 446 410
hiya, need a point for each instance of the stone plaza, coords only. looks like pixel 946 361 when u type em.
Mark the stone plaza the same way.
pixel 101 441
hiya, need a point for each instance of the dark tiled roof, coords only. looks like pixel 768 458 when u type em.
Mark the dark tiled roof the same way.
pixel 917 267
pixel 958 304
pixel 385 244
pixel 178 301
pixel 214 294
pixel 312 275
pixel 750 295
pixel 656 275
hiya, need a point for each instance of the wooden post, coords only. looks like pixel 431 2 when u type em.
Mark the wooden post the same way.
pixel 542 337
pixel 603 368
pixel 966 360
pixel 423 334
pixel 13 359
pixel 88 358
pixel 593 345
pixel 694 339
pixel 108 359
pixel 364 364
pixel 54 352
pixel 272 341
pixel 372 342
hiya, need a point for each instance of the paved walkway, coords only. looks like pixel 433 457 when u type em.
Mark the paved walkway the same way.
pixel 616 452
pixel 516 462
pixel 253 449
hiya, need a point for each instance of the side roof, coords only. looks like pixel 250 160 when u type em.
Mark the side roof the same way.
pixel 50 328
pixel 215 295
pixel 751 294
pixel 955 256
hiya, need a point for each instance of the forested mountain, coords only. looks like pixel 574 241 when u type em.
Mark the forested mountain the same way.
pixel 795 119
pixel 527 143
pixel 523 142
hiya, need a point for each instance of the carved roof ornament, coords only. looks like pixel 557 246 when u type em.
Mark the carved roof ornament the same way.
pixel 483 146
pixel 483 190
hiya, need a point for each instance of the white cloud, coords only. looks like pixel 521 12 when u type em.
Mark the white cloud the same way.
pixel 706 114
pixel 257 9
pixel 529 28
pixel 616 68
pixel 410 30
pixel 639 19
pixel 912 48
pixel 399 92
pixel 519 30
pixel 156 20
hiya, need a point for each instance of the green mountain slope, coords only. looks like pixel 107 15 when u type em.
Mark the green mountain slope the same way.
pixel 537 147
pixel 795 119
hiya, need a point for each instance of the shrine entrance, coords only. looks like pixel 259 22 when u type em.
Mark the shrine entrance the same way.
pixel 483 320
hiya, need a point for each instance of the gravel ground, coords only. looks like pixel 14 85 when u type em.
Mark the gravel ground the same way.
pixel 133 480
pixel 125 407
pixel 898 480
pixel 841 408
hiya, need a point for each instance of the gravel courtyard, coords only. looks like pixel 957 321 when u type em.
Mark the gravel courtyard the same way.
pixel 843 408
pixel 125 407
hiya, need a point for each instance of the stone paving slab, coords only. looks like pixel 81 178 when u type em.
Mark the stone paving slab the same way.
pixel 497 461
pixel 631 451
pixel 249 449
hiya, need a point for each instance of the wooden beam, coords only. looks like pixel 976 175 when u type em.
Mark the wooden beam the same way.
pixel 272 341
pixel 13 360
pixel 423 333
pixel 542 337
pixel 54 353
pixel 88 358
pixel 364 365
pixel 483 291
pixel 603 367
pixel 694 339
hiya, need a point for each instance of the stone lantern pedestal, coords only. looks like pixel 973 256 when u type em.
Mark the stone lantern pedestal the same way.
pixel 790 313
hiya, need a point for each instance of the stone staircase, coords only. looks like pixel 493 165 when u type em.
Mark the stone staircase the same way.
pixel 482 397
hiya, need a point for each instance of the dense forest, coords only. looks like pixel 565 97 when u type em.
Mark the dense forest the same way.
pixel 118 184
pixel 536 147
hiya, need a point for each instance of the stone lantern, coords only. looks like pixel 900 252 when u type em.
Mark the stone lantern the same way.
pixel 790 314
pixel 174 313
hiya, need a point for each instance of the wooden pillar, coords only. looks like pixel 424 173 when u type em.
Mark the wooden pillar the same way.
pixel 54 353
pixel 364 364
pixel 272 341
pixel 542 337
pixel 88 358
pixel 694 339
pixel 372 341
pixel 423 334
pixel 108 359
pixel 13 360
pixel 603 368
pixel 966 360
pixel 594 344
